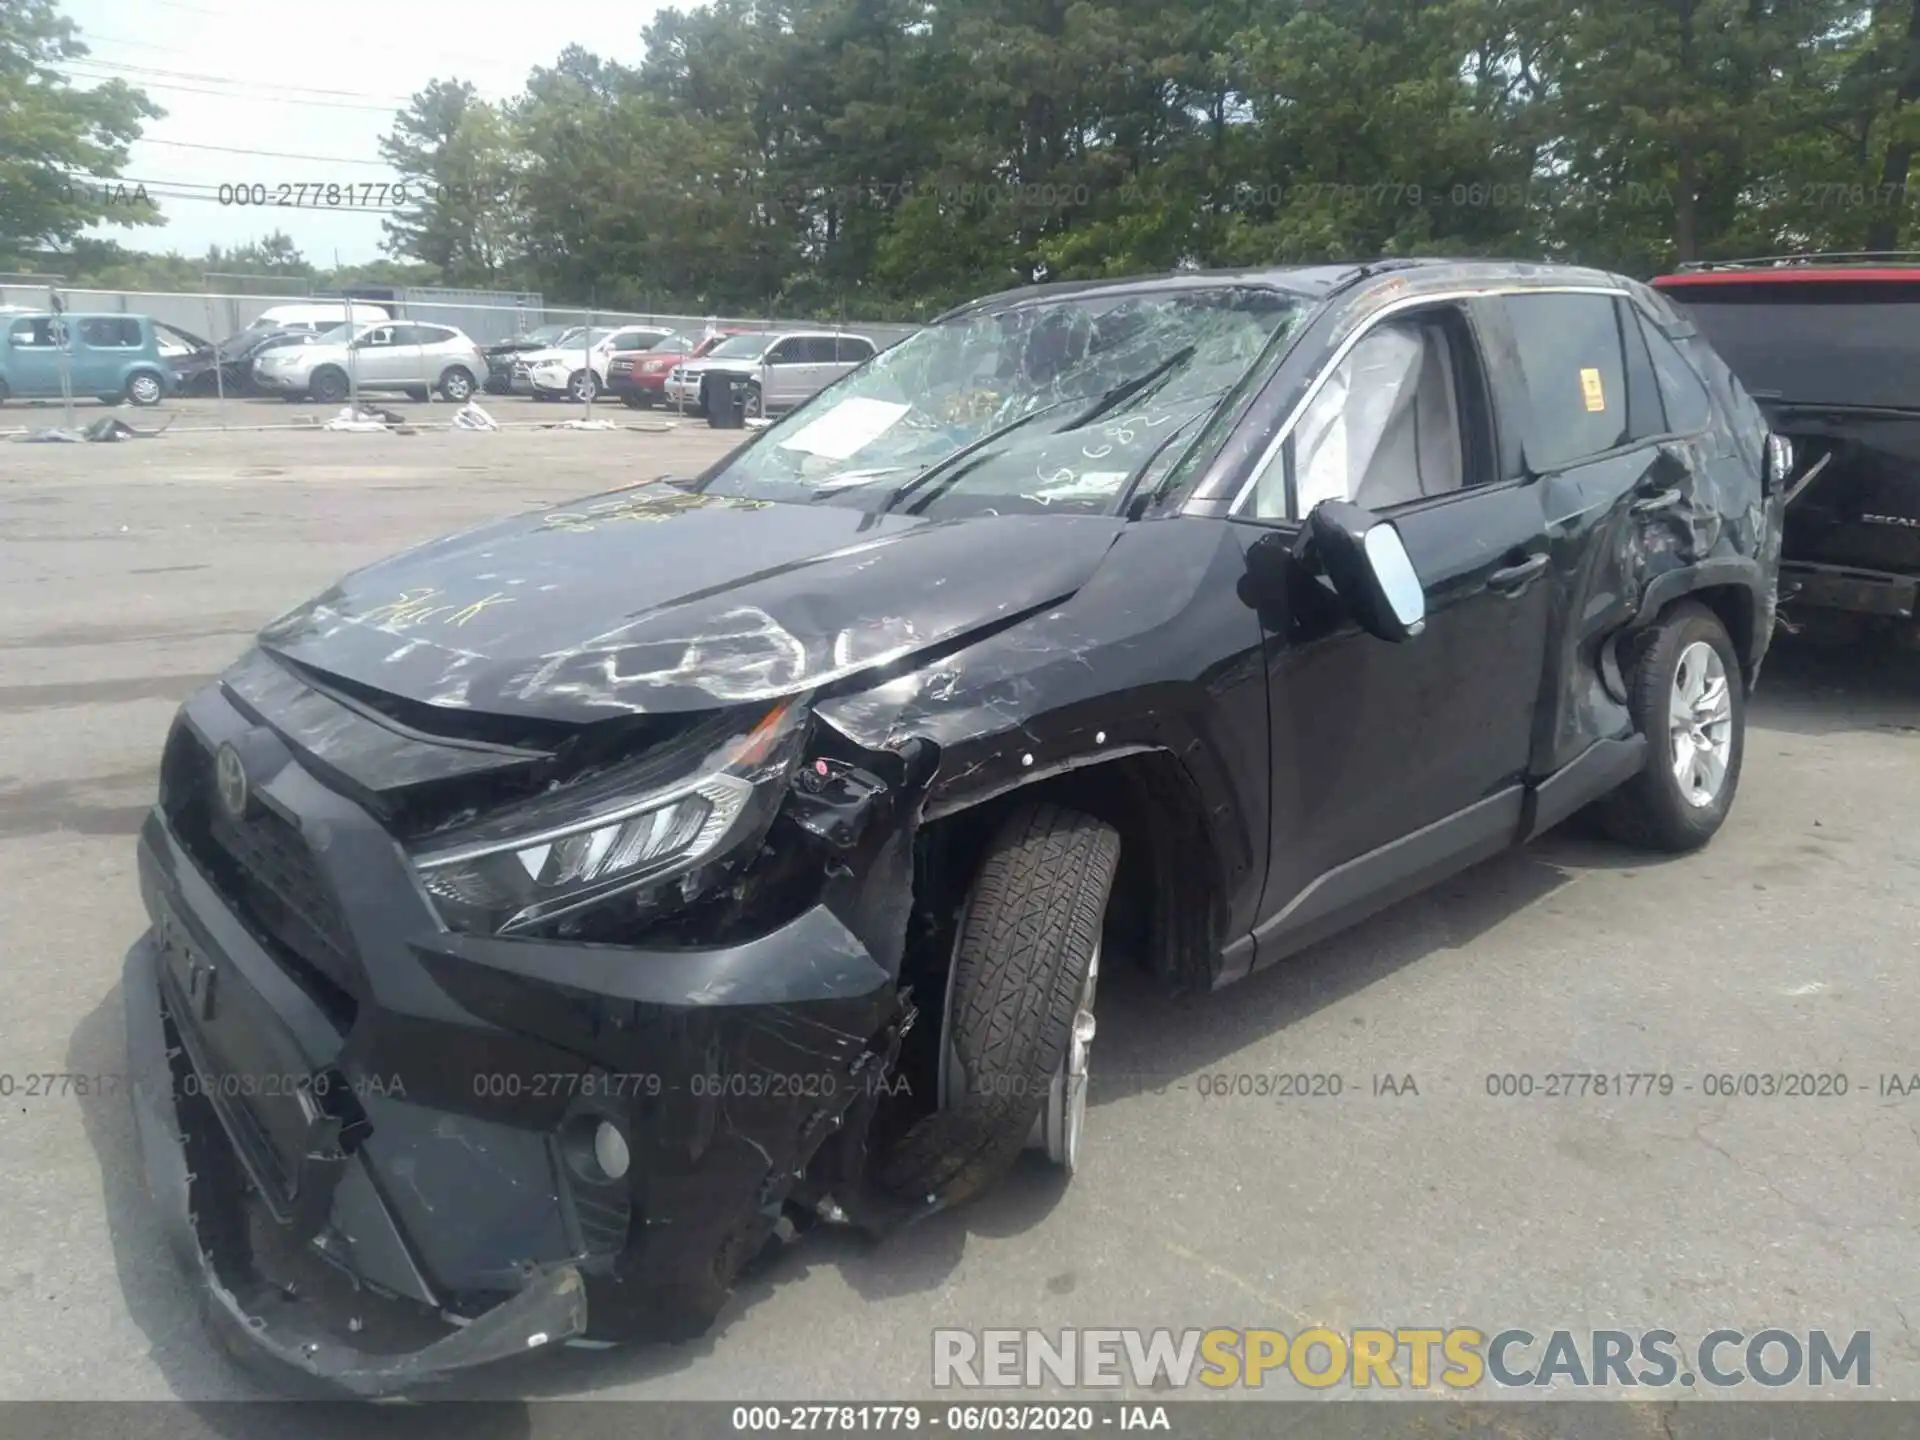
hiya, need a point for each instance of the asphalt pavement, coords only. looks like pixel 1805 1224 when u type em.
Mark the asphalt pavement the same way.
pixel 130 573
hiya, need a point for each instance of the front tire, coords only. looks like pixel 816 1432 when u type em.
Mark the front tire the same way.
pixel 583 385
pixel 1018 1018
pixel 328 386
pixel 1686 696
pixel 456 386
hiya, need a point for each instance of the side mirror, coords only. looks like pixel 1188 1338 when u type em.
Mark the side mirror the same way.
pixel 1371 571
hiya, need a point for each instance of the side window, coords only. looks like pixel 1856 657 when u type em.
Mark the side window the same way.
pixel 1646 411
pixel 1575 370
pixel 787 352
pixel 1689 411
pixel 852 349
pixel 1383 429
pixel 41 332
pixel 108 332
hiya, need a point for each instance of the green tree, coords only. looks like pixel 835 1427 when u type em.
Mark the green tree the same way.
pixel 451 149
pixel 60 147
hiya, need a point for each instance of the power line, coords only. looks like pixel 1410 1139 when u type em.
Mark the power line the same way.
pixel 238 81
pixel 272 154
pixel 257 99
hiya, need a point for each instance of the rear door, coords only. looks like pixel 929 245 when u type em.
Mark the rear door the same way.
pixel 1618 477
pixel 104 349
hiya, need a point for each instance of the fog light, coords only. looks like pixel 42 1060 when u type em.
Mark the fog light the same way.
pixel 610 1151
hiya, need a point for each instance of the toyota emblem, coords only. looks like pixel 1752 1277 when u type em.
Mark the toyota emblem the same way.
pixel 230 779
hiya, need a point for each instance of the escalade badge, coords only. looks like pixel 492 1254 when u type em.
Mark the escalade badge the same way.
pixel 230 779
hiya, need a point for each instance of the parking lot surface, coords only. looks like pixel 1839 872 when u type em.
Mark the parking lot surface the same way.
pixel 130 573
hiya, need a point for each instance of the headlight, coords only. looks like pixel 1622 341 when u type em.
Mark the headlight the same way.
pixel 624 829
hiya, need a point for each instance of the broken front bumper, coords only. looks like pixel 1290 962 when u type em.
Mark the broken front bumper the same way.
pixel 390 1173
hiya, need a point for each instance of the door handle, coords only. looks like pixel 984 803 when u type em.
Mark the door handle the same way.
pixel 1659 500
pixel 1514 576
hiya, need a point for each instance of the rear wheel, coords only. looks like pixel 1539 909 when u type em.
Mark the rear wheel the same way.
pixel 328 385
pixel 1018 1024
pixel 1686 696
pixel 143 388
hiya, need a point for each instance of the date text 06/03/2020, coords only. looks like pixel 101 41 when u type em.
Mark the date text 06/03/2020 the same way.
pixel 1012 1418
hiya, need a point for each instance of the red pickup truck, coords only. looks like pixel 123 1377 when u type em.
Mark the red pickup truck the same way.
pixel 640 379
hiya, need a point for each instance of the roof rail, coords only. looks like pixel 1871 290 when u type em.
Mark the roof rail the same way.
pixel 1805 257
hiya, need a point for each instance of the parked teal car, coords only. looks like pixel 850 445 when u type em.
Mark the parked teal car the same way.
pixel 114 357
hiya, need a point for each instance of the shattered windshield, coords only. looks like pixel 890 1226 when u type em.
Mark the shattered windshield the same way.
pixel 1038 407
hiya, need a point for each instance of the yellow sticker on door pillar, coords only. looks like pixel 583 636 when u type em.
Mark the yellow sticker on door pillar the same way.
pixel 1591 388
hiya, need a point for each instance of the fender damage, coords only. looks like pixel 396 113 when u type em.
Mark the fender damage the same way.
pixel 379 1141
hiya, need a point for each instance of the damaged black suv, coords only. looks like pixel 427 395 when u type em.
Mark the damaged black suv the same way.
pixel 547 918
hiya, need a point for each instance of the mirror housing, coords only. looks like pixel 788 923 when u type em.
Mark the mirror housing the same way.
pixel 1368 564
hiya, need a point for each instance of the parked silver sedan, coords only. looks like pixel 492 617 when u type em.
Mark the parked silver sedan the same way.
pixel 414 359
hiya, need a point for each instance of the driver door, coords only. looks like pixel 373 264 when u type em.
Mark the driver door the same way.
pixel 380 357
pixel 1393 764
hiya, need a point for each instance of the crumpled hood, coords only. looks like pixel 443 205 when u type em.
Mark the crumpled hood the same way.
pixel 654 599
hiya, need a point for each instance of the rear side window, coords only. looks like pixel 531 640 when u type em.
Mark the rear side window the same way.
pixel 1689 411
pixel 1575 369
pixel 110 332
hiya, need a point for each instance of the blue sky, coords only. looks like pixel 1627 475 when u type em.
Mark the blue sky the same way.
pixel 248 75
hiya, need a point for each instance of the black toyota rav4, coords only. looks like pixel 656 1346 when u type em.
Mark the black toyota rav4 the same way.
pixel 548 918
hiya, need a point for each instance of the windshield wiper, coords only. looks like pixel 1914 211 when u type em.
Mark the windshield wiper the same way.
pixel 946 467
pixel 1140 470
pixel 1130 389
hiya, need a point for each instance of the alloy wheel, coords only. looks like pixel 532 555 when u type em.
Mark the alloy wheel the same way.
pixel 1700 724
pixel 1063 1117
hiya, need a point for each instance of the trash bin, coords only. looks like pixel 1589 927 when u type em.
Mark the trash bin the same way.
pixel 726 402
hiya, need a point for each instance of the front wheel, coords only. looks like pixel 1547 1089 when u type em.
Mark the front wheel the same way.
pixel 755 405
pixel 1017 1030
pixel 1686 696
pixel 456 386
pixel 328 385
pixel 583 385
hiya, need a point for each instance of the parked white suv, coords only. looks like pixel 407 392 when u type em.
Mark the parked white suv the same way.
pixel 578 369
pixel 412 358
pixel 782 368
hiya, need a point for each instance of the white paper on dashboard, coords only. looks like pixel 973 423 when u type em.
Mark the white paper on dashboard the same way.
pixel 842 431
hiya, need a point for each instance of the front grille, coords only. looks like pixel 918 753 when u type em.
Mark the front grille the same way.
pixel 262 867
